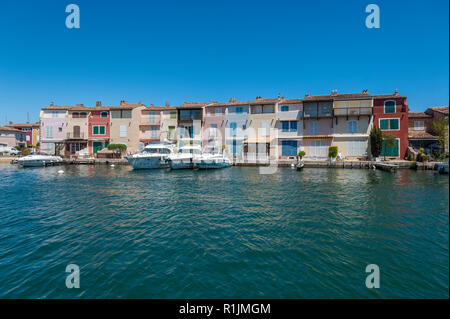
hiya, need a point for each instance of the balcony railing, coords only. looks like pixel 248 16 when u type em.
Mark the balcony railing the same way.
pixel 352 111
pixel 75 135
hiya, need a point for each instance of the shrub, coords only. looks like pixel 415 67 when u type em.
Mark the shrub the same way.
pixel 26 151
pixel 301 154
pixel 376 141
pixel 333 151
pixel 413 165
pixel 119 148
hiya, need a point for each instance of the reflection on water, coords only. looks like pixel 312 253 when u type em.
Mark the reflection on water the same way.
pixel 228 233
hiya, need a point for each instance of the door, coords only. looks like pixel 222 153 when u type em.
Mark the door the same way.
pixel 390 151
pixel 318 149
pixel 97 146
pixel 76 131
pixel 289 148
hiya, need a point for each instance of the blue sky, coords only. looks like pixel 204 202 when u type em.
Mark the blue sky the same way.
pixel 158 51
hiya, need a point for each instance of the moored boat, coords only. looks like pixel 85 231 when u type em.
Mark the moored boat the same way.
pixel 184 158
pixel 38 160
pixel 208 160
pixel 152 156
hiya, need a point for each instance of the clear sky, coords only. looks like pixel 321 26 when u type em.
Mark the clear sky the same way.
pixel 158 51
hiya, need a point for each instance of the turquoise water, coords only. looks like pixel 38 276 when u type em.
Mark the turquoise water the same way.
pixel 230 233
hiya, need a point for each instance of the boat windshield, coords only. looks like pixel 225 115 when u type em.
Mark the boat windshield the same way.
pixel 157 150
pixel 190 151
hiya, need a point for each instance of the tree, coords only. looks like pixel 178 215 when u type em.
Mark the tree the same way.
pixel 117 148
pixel 376 141
pixel 440 129
pixel 389 141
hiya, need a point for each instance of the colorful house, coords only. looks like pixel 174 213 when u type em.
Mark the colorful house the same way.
pixel 149 126
pixel 77 129
pixel 98 128
pixel 236 127
pixel 12 137
pixel 190 118
pixel 289 128
pixel 352 124
pixel 390 115
pixel 53 128
pixel 124 125
pixel 214 128
pixel 317 125
pixel 36 135
pixel 31 131
pixel 169 124
pixel 261 142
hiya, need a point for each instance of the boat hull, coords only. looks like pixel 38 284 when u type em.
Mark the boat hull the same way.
pixel 181 164
pixel 212 164
pixel 39 162
pixel 147 162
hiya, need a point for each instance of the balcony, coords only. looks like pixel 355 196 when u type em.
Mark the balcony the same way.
pixel 75 136
pixel 352 111
pixel 317 111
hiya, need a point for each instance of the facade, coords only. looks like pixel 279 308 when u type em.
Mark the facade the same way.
pixel 440 112
pixel 190 118
pixel 77 129
pixel 236 127
pixel 289 127
pixel 53 128
pixel 317 125
pixel 169 124
pixel 352 124
pixel 390 115
pixel 419 132
pixel 12 137
pixel 262 140
pixel 213 128
pixel 36 136
pixel 124 125
pixel 149 126
pixel 98 128
pixel 31 131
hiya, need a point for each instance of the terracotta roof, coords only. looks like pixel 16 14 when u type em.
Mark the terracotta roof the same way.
pixel 421 135
pixel 9 129
pixel 193 105
pixel 346 96
pixel 440 109
pixel 125 106
pixel 388 96
pixel 418 115
pixel 23 125
pixel 253 102
pixel 58 107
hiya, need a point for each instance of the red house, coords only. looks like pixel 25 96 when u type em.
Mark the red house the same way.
pixel 390 115
pixel 98 126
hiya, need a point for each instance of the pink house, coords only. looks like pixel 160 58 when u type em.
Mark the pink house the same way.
pixel 213 128
pixel 53 127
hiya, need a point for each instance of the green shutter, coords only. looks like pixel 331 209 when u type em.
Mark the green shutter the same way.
pixel 95 129
pixel 384 124
pixel 390 151
pixel 393 124
pixel 102 130
pixel 389 107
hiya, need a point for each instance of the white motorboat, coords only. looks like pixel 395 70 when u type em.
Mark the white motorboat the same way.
pixel 184 158
pixel 209 160
pixel 37 160
pixel 152 156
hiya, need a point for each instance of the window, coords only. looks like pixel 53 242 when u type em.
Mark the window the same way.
pixel 289 126
pixel 104 114
pixel 123 130
pixel 233 127
pixel 154 132
pixel 59 129
pixel 325 110
pixel 419 125
pixel 171 132
pixel 173 115
pixel 356 148
pixel 318 149
pixel 389 107
pixel 49 131
pixel 352 126
pixel 288 148
pixel 75 115
pixel 213 130
pixel 83 115
pixel 218 110
pixel 265 129
pixel 257 109
pixel 310 110
pixel 182 131
pixel 313 128
pixel 389 124
pixel 268 109
pixel 239 110
pixel 151 117
pixel 284 108
pixel 54 113
pixel 28 138
pixel 98 129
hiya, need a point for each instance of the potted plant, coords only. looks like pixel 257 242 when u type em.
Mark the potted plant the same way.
pixel 332 153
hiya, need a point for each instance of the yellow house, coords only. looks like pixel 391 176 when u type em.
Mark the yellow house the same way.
pixel 261 144
pixel 352 124
pixel 35 134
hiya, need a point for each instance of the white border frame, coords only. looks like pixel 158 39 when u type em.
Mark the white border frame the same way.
pixel 395 106
pixel 389 118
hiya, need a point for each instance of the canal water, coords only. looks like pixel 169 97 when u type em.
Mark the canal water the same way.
pixel 230 233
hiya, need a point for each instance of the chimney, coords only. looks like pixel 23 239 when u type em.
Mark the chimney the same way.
pixel 365 92
pixel 307 95
pixel 98 103
pixel 396 92
pixel 10 122
pixel 80 105
pixel 51 104
pixel 334 92
pixel 167 103
pixel 230 100
pixel 259 98
pixel 123 102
